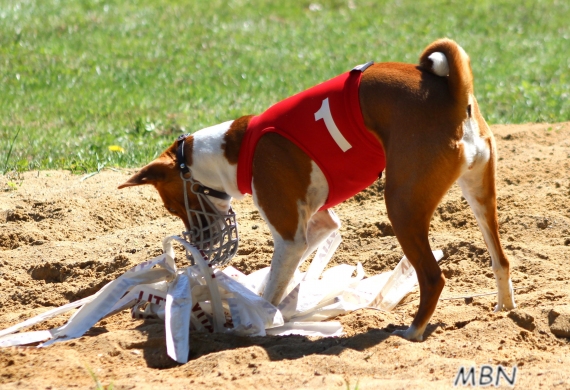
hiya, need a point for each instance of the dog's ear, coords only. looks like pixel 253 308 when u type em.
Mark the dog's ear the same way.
pixel 152 173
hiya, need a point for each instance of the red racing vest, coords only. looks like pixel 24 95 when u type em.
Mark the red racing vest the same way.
pixel 325 121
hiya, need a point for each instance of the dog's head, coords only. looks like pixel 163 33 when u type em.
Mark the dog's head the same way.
pixel 211 227
pixel 164 174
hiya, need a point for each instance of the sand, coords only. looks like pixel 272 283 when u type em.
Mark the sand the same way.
pixel 62 238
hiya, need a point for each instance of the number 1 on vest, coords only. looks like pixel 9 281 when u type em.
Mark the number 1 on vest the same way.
pixel 324 113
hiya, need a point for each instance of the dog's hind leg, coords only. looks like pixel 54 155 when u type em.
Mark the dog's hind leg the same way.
pixel 411 224
pixel 414 188
pixel 478 186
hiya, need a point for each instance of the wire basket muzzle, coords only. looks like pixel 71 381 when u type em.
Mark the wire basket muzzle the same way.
pixel 215 234
pixel 217 242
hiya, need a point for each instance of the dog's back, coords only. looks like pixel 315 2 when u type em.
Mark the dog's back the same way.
pixel 420 96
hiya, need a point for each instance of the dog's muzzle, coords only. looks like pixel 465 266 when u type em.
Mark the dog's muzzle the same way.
pixel 215 234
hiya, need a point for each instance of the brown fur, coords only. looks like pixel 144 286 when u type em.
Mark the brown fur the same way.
pixel 233 138
pixel 164 175
pixel 277 163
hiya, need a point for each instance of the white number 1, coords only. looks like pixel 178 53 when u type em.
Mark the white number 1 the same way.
pixel 324 113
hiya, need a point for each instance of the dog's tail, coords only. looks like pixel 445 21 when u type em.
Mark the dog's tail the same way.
pixel 446 58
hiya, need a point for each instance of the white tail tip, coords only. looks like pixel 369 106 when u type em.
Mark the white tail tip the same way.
pixel 440 66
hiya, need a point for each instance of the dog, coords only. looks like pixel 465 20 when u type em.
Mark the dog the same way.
pixel 420 122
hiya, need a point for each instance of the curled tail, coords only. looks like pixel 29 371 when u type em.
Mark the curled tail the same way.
pixel 446 58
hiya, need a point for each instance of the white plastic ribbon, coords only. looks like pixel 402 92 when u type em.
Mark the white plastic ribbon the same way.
pixel 205 299
pixel 208 274
pixel 401 282
pixel 177 318
pixel 108 296
pixel 24 338
pixel 47 315
pixel 268 314
pixel 316 329
pixel 323 256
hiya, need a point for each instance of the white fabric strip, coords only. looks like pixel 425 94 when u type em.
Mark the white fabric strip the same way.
pixel 196 297
pixel 177 318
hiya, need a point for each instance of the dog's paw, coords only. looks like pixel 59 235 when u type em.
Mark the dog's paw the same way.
pixel 505 296
pixel 506 302
pixel 505 306
pixel 411 334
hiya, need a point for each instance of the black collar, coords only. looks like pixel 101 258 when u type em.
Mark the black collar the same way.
pixel 181 162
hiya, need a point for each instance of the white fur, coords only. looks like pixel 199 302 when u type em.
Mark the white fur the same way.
pixel 313 227
pixel 412 333
pixel 318 190
pixel 209 166
pixel 282 269
pixel 475 149
pixel 440 65
pixel 505 298
pixel 477 154
pixel 471 186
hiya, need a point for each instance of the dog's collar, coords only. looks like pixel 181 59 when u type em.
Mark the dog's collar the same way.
pixel 181 163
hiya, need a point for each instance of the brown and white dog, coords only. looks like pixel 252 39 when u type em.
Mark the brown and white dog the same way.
pixel 428 123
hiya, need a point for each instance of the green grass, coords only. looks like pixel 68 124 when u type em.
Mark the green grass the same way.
pixel 79 76
pixel 98 384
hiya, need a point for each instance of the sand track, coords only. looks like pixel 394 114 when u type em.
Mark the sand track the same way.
pixel 62 239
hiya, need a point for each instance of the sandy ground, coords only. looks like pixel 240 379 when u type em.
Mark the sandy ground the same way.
pixel 61 239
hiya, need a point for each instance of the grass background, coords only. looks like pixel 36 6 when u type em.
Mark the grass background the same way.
pixel 79 76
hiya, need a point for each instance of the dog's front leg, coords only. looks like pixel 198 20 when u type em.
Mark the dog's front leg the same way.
pixel 319 227
pixel 288 190
pixel 286 257
pixel 284 262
